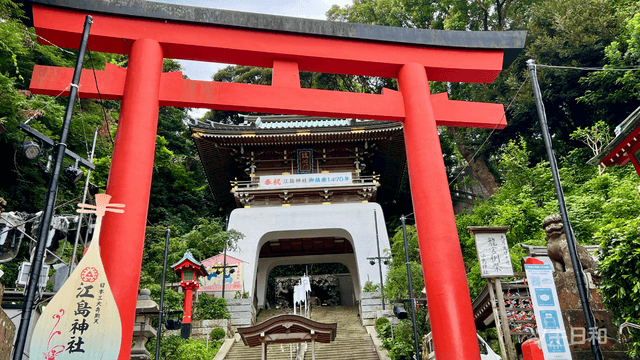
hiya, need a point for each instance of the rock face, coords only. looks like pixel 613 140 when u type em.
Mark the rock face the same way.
pixel 569 298
pixel 324 290
pixel 7 331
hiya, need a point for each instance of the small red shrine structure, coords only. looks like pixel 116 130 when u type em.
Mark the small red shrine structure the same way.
pixel 189 269
pixel 625 147
pixel 148 32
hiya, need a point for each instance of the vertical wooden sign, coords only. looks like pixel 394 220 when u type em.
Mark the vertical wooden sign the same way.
pixel 82 320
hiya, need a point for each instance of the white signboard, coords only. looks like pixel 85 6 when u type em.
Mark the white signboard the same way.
pixel 553 336
pixel 305 180
pixel 493 254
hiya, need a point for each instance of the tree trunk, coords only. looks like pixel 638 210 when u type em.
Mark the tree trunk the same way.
pixel 478 164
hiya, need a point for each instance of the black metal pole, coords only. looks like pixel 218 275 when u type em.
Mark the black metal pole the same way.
pixel 375 218
pixel 413 300
pixel 50 202
pixel 224 257
pixel 577 266
pixel 224 268
pixel 164 279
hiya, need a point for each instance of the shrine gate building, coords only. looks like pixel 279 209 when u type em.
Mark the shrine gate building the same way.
pixel 304 191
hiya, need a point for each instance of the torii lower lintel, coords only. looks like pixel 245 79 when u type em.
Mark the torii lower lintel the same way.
pixel 179 92
pixel 147 32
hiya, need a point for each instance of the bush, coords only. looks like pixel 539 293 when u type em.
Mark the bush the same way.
pixel 209 307
pixel 173 347
pixel 369 287
pixel 197 350
pixel 217 334
pixel 400 347
pixel 380 322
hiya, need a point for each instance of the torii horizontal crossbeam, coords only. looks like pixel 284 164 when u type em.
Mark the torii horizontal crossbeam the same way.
pixel 179 92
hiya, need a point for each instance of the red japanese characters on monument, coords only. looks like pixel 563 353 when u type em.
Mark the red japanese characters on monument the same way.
pixel 305 180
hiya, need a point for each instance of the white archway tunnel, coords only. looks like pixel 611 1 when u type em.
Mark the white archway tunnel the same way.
pixel 353 222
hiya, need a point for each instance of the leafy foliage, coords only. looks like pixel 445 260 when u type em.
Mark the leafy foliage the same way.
pixel 397 284
pixel 398 339
pixel 369 286
pixel 620 287
pixel 217 334
pixel 209 307
pixel 173 347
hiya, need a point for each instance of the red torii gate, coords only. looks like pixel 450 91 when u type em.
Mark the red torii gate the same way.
pixel 149 32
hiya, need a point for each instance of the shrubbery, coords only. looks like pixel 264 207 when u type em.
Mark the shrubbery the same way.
pixel 209 307
pixel 173 347
pixel 217 334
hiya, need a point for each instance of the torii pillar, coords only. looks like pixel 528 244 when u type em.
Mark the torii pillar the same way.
pixel 149 32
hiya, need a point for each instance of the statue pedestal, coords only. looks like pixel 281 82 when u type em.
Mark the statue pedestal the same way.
pixel 576 324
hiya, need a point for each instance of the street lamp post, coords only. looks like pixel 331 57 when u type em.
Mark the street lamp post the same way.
pixel 36 266
pixel 375 219
pixel 562 206
pixel 413 300
pixel 164 278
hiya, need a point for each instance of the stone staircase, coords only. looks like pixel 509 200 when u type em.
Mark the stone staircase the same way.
pixel 352 341
pixel 274 352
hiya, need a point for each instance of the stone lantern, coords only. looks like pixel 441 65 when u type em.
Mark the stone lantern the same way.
pixel 188 269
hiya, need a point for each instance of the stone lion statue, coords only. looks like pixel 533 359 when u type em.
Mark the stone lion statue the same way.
pixel 558 249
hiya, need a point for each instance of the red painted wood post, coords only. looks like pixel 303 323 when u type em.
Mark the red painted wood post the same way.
pixel 531 350
pixel 130 181
pixel 453 328
pixel 188 305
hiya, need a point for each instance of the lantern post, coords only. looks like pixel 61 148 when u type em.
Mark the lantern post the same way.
pixel 188 269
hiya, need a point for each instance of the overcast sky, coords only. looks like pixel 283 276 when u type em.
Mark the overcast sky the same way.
pixel 313 9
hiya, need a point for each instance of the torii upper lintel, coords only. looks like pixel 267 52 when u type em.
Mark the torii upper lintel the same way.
pixel 149 32
pixel 460 57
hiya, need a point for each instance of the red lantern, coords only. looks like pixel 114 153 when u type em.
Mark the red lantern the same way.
pixel 188 269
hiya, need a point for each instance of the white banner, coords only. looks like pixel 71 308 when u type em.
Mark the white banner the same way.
pixel 493 254
pixel 305 180
pixel 553 336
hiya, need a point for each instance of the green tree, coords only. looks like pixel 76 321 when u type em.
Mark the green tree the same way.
pixel 206 239
pixel 209 307
pixel 621 88
pixel 620 241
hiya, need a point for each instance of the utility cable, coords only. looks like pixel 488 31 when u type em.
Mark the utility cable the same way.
pixel 54 45
pixel 585 68
pixel 104 111
pixel 492 131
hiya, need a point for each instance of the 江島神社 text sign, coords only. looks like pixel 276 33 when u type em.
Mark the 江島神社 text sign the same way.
pixel 305 180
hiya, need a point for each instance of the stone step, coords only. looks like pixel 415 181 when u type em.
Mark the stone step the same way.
pixel 352 341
